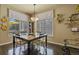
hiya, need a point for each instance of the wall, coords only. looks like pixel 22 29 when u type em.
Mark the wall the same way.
pixel 5 37
pixel 61 30
pixel 3 34
pixel 0 11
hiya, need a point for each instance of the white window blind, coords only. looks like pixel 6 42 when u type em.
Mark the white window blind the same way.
pixel 45 23
pixel 18 15
pixel 22 20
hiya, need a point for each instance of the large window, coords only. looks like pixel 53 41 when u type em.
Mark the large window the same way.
pixel 45 23
pixel 18 22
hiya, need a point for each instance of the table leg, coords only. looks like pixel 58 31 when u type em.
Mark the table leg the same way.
pixel 13 45
pixel 28 49
pixel 46 45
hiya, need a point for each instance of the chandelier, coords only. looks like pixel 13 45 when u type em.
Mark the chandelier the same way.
pixel 34 18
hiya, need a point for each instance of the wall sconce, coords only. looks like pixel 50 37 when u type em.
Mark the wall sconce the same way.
pixel 60 18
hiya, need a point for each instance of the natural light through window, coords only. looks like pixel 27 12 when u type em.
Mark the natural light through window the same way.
pixel 18 22
pixel 45 23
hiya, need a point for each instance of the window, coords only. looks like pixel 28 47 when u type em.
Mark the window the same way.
pixel 45 23
pixel 13 25
pixel 18 22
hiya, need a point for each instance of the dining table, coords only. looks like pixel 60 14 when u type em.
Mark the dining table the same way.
pixel 29 38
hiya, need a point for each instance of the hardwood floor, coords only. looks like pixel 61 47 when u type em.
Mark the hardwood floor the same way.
pixel 51 50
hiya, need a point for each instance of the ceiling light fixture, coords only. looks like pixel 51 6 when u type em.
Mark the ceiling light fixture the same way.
pixel 34 18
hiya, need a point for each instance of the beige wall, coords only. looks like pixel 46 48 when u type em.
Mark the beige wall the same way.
pixel 61 30
pixel 0 11
pixel 3 34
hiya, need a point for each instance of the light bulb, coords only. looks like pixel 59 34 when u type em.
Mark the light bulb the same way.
pixel 34 18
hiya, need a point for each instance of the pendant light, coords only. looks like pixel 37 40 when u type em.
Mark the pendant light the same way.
pixel 34 18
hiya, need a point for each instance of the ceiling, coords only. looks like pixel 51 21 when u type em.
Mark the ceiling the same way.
pixel 29 8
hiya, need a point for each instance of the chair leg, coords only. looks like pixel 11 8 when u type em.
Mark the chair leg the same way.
pixel 20 48
pixel 24 46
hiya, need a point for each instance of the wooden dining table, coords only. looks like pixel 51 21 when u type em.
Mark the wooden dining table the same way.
pixel 29 39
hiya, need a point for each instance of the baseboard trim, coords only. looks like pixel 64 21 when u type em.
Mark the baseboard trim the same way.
pixel 61 44
pixel 5 43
